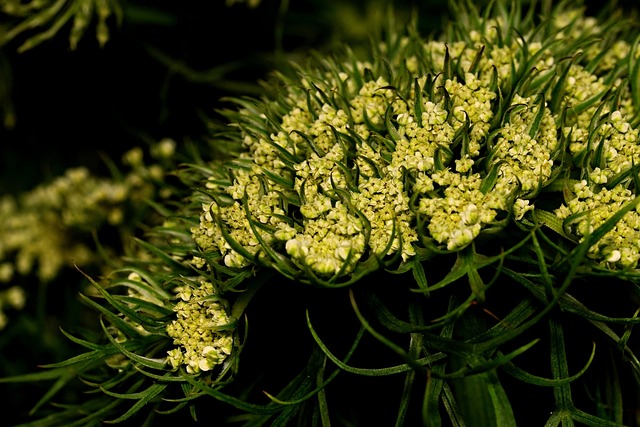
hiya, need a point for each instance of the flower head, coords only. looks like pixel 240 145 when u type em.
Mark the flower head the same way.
pixel 201 329
pixel 356 163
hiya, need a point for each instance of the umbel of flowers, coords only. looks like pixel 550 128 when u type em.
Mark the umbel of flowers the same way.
pixel 452 139
pixel 505 150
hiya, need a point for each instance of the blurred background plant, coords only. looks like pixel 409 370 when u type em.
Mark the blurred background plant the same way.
pixel 88 89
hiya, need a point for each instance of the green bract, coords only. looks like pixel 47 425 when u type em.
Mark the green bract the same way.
pixel 473 201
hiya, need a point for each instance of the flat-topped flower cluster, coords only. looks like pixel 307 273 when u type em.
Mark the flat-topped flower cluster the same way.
pixel 429 144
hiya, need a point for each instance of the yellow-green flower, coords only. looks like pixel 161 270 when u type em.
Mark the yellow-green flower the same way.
pixel 200 330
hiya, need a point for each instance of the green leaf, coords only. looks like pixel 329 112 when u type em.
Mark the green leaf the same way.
pixel 468 262
pixel 384 340
pixel 371 372
pixel 391 129
pixel 144 398
pixel 417 102
pixel 149 362
pixel 117 321
pixel 436 388
pixel 550 220
pixel 419 275
pixel 415 348
pixel 323 406
pixel 165 257
pixel 559 366
pixel 634 75
pixel 534 126
pixel 320 385
pixel 489 181
pixel 521 375
pixel 476 364
pixel 451 406
pixel 592 421
pixel 64 376
pixel 198 384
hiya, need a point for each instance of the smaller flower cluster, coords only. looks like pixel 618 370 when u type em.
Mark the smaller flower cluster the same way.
pixel 588 210
pixel 527 157
pixel 201 329
pixel 457 217
pixel 50 226
pixel 605 189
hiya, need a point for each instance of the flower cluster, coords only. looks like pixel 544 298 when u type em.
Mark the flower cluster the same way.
pixel 201 330
pixel 603 142
pixel 50 226
pixel 55 225
pixel 604 189
pixel 588 210
pixel 356 163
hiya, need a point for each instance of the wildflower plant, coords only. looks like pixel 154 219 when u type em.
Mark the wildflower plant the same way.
pixel 443 227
